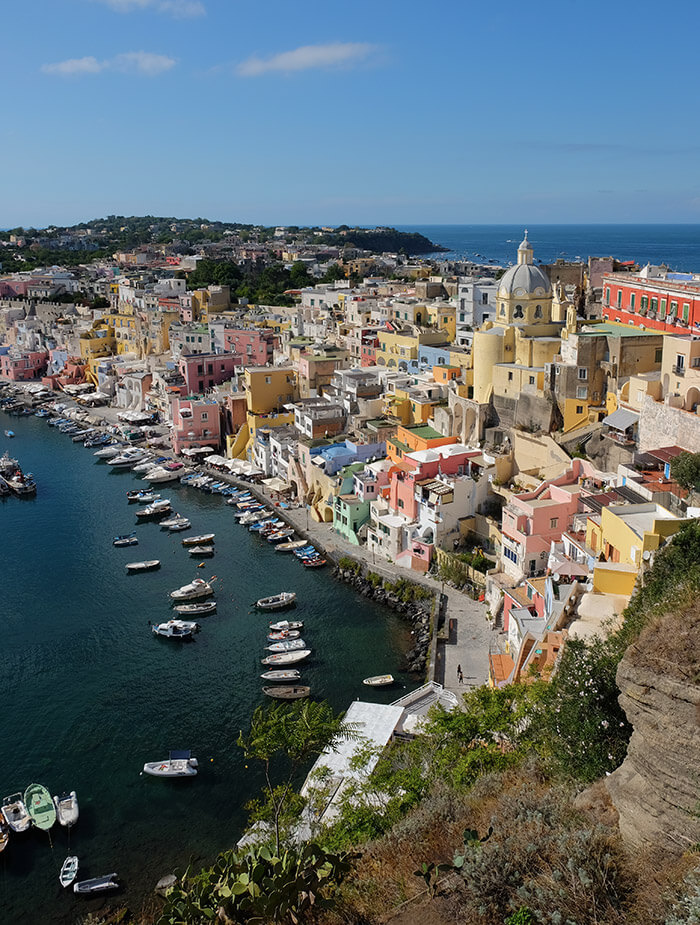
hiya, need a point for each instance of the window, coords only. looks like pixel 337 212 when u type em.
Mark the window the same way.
pixel 268 380
pixel 633 299
pixel 582 372
pixel 200 386
pixel 204 416
pixel 654 305
pixel 658 354
pixel 400 502
pixel 484 298
pixel 531 380
pixel 619 298
pixel 538 311
pixel 686 312
pixel 581 392
pixel 518 313
pixel 663 308
pixel 510 377
pixel 509 554
pixel 553 521
pixel 503 308
pixel 533 564
pixel 607 296
pixel 673 310
pixel 644 305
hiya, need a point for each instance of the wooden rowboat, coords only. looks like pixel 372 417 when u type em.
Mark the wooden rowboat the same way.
pixel 288 692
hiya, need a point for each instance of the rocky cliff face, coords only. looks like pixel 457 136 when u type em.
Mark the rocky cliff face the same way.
pixel 656 790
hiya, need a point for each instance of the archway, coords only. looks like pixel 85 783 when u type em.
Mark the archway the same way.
pixel 692 399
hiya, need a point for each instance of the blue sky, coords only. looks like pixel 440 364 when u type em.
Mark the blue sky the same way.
pixel 364 112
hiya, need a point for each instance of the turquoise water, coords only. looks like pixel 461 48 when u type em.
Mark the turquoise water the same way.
pixel 88 694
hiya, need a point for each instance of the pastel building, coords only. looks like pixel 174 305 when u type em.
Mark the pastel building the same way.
pixel 22 366
pixel 629 533
pixel 195 424
pixel 203 371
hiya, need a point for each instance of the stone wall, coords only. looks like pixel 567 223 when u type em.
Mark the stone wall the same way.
pixel 661 425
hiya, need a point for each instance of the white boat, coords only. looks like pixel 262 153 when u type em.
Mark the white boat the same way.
pixel 127 539
pixel 287 645
pixel 277 601
pixel 97 884
pixel 148 565
pixel 144 466
pixel 198 609
pixel 286 658
pixel 287 625
pixel 379 680
pixel 69 871
pixel 157 509
pixel 67 809
pixel 290 546
pixel 204 539
pixel 169 521
pixel 193 591
pixel 175 629
pixel 128 459
pixel 160 474
pixel 201 552
pixel 178 764
pixel 180 525
pixel 281 674
pixel 15 812
pixel 107 452
pixel 280 635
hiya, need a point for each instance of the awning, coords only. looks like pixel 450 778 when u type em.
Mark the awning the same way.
pixel 216 460
pixel 622 419
pixel 195 450
pixel 276 484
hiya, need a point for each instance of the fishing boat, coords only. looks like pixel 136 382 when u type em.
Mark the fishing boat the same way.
pixel 280 536
pixel 40 806
pixel 194 590
pixel 4 834
pixel 315 562
pixel 287 645
pixel 178 764
pixel 96 885
pixel 204 539
pixel 22 485
pixel 379 680
pixel 288 692
pixel 127 539
pixel 200 610
pixel 290 546
pixel 15 812
pixel 286 658
pixel 281 674
pixel 157 509
pixel 277 601
pixel 280 635
pixel 69 871
pixel 201 552
pixel 175 629
pixel 148 565
pixel 67 808
pixel 287 625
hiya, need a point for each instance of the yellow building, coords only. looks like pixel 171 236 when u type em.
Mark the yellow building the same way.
pixel 402 347
pixel 211 300
pixel 443 316
pixel 99 341
pixel 127 330
pixel 624 533
pixel 268 389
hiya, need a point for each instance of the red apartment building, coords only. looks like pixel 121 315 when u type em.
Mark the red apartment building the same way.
pixel 669 304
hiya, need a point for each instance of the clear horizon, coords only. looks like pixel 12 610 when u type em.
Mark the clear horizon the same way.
pixel 304 115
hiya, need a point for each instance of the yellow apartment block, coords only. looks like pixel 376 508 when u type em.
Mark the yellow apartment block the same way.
pixel 624 533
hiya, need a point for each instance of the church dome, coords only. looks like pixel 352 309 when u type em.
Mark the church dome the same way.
pixel 524 279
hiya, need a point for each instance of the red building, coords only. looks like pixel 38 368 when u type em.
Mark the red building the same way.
pixel 256 346
pixel 23 366
pixel 202 371
pixel 669 304
pixel 368 350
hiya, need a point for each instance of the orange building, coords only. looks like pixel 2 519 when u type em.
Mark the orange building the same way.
pixel 412 439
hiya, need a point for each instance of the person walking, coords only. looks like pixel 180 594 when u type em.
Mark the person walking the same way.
pixel 460 676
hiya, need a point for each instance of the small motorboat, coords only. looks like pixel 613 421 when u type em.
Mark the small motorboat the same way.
pixel 286 658
pixel 204 539
pixel 287 645
pixel 15 812
pixel 148 565
pixel 280 635
pixel 4 834
pixel 127 539
pixel 67 809
pixel 148 497
pixel 288 692
pixel 157 509
pixel 277 601
pixel 69 871
pixel 280 536
pixel 290 546
pixel 379 680
pixel 169 521
pixel 201 552
pixel 96 885
pixel 175 629
pixel 199 610
pixel 178 764
pixel 9 433
pixel 40 806
pixel 280 674
pixel 287 625
pixel 313 562
pixel 180 525
pixel 192 591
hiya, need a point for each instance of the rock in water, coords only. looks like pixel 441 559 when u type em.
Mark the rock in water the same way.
pixel 165 883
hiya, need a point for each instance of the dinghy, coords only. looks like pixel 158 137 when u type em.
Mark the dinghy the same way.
pixel 67 808
pixel 280 674
pixel 277 601
pixel 178 764
pixel 199 609
pixel 287 645
pixel 96 885
pixel 148 565
pixel 286 658
pixel 288 692
pixel 69 871
pixel 379 680
pixel 15 812
pixel 40 806
pixel 204 539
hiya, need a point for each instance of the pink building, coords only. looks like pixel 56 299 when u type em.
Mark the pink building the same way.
pixel 534 519
pixel 202 371
pixel 20 366
pixel 195 423
pixel 257 347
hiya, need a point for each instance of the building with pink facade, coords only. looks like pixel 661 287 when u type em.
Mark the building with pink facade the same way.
pixel 195 423
pixel 255 347
pixel 202 371
pixel 21 366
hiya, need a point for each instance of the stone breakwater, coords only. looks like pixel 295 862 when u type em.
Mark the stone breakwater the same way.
pixel 417 613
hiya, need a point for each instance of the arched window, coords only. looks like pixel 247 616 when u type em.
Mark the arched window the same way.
pixel 518 313
pixel 503 308
pixel 538 311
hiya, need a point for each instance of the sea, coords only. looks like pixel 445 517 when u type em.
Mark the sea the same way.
pixel 676 246
pixel 88 694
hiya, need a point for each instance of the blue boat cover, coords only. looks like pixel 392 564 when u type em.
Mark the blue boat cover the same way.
pixel 181 755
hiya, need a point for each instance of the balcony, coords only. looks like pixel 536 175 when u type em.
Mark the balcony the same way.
pixel 678 370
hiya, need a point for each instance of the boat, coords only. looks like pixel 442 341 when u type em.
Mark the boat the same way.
pixel 280 536
pixel 178 764
pixel 168 472
pixel 277 601
pixel 180 525
pixel 290 546
pixel 288 692
pixel 287 625
pixel 175 518
pixel 96 885
pixel 199 609
pixel 66 808
pixel 314 562
pixel 192 591
pixel 280 635
pixel 4 834
pixel 126 539
pixel 127 459
pixel 21 484
pixel 15 813
pixel 40 806
pixel 379 680
pixel 204 539
pixel 9 433
pixel 157 509
pixel 148 497
pixel 175 629
pixel 141 495
pixel 148 565
pixel 69 871
pixel 281 674
pixel 287 645
pixel 107 452
pixel 205 552
pixel 286 658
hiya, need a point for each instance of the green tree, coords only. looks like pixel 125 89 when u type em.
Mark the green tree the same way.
pixel 685 469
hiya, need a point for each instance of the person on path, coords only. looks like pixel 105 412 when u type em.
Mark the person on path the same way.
pixel 460 676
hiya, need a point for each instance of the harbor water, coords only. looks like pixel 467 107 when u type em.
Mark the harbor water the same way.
pixel 88 694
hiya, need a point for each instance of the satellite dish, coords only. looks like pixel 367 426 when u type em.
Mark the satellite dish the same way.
pixel 646 555
pixel 556 576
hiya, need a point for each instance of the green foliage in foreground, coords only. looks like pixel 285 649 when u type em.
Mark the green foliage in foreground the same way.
pixel 256 886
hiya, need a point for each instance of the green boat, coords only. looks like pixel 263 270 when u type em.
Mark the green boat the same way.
pixel 40 806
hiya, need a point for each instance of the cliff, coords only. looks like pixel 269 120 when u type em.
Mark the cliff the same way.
pixel 656 790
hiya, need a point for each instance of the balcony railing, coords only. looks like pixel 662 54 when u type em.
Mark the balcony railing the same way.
pixel 678 370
